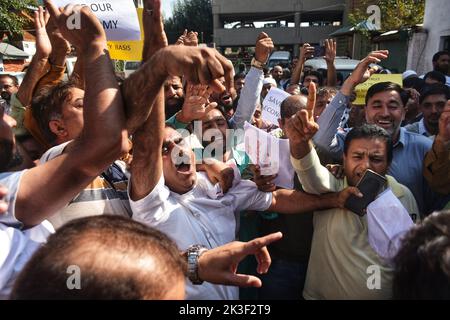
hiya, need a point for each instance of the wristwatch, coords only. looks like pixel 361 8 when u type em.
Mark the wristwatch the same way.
pixel 193 254
pixel 259 65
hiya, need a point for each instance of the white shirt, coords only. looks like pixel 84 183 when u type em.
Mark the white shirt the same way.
pixel 197 217
pixel 16 246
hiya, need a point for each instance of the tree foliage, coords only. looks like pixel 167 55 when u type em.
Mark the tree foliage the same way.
pixel 395 14
pixel 195 15
pixel 11 19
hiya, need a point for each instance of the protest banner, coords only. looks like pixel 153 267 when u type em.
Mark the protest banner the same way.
pixel 271 154
pixel 271 105
pixel 118 17
pixel 361 89
pixel 128 50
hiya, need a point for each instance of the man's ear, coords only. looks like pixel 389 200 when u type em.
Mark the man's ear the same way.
pixel 57 128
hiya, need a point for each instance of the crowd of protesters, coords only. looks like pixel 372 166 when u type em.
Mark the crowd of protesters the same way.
pixel 138 185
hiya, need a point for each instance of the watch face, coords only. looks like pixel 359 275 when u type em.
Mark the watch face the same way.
pixel 193 253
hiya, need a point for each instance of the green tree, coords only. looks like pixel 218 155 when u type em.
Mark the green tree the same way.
pixel 395 14
pixel 195 15
pixel 12 20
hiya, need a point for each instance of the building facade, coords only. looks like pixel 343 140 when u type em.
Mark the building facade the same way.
pixel 289 23
pixel 434 37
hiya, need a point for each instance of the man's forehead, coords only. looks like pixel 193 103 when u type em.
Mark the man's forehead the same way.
pixel 6 80
pixel 371 145
pixel 173 80
pixel 171 134
pixel 213 115
pixel 435 97
pixel 383 95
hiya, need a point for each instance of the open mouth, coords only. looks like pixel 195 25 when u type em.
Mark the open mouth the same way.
pixel 226 99
pixel 384 123
pixel 183 168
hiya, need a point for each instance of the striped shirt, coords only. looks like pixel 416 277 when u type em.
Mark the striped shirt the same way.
pixel 106 194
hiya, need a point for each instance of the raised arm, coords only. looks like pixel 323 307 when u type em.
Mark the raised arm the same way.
pixel 300 129
pixel 330 55
pixel 57 58
pixel 37 68
pixel 331 116
pixel 154 35
pixel 250 93
pixel 197 65
pixel 38 64
pixel 306 52
pixel 146 167
pixel 103 138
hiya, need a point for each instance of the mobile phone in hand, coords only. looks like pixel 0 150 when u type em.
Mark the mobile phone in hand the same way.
pixel 370 185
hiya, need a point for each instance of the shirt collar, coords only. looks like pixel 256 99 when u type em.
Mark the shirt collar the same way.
pixel 402 138
pixel 422 130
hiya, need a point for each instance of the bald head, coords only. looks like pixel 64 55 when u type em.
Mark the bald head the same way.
pixel 291 105
pixel 117 258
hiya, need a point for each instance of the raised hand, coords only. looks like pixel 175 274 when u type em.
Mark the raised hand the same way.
pixel 155 36
pixel 196 103
pixel 301 127
pixel 330 50
pixel 82 36
pixel 198 65
pixel 306 52
pixel 264 46
pixel 60 46
pixel 191 40
pixel 362 72
pixel 43 45
pixel 444 123
pixel 219 265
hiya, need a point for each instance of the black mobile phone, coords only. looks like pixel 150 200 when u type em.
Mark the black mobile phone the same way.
pixel 370 185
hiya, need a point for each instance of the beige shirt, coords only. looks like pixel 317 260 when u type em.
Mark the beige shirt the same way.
pixel 341 256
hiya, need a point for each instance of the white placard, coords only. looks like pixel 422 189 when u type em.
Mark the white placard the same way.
pixel 387 222
pixel 271 154
pixel 118 17
pixel 271 105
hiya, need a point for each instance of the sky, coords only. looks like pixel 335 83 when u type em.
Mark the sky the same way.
pixel 167 6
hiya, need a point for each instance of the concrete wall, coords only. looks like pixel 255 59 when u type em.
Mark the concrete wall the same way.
pixel 280 36
pixel 437 26
pixel 259 6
